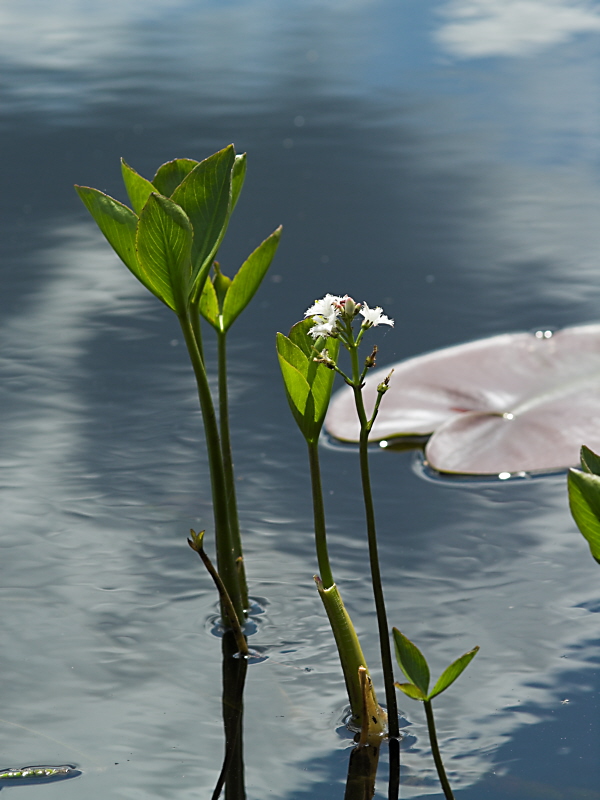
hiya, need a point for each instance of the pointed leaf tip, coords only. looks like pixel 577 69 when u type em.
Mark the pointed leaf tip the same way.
pixel 248 278
pixel 590 461
pixel 451 673
pixel 138 188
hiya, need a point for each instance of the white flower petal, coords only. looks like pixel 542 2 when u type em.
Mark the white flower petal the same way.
pixel 327 307
pixel 374 317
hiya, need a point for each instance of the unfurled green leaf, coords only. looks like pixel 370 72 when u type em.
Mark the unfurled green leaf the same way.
pixel 411 661
pixel 248 279
pixel 169 176
pixel 118 224
pixel 209 305
pixel 164 244
pixel 205 196
pixel 584 501
pixel 411 690
pixel 138 188
pixel 237 179
pixel 451 673
pixel 590 462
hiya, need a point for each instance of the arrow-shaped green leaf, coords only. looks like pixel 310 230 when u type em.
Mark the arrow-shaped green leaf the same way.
pixel 164 244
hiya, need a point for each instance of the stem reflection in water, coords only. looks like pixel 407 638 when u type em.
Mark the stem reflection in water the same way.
pixel 234 679
pixel 362 764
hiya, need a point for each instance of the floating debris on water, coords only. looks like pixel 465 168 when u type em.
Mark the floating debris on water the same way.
pixel 38 774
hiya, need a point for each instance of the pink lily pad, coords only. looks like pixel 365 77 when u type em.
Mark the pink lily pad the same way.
pixel 519 402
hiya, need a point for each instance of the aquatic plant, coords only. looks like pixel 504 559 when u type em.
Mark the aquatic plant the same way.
pixel 309 358
pixel 414 666
pixel 169 240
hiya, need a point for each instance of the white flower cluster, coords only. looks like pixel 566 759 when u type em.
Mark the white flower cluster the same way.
pixel 326 314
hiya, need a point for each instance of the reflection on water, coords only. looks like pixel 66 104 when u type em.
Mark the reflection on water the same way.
pixel 483 28
pixel 461 194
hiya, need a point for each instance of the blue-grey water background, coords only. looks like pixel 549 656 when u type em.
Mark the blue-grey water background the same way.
pixel 440 158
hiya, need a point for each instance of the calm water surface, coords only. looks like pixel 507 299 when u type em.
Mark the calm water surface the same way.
pixel 438 158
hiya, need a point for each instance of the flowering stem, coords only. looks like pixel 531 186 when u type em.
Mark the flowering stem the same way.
pixel 234 524
pixel 382 623
pixel 319 515
pixel 435 750
pixel 226 559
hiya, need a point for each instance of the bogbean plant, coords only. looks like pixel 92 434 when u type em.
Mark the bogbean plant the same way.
pixel 169 240
pixel 305 356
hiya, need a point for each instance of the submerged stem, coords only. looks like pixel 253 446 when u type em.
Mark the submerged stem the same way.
pixel 435 750
pixel 382 623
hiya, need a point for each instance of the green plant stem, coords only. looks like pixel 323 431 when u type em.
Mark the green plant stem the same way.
pixel 195 321
pixel 319 515
pixel 382 623
pixel 226 559
pixel 234 524
pixel 436 751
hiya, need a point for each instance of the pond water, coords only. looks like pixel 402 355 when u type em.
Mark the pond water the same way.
pixel 438 158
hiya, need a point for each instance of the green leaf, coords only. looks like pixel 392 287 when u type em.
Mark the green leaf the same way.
pixel 411 661
pixel 164 244
pixel 292 354
pixel 209 305
pixel 300 337
pixel 118 224
pixel 205 196
pixel 138 188
pixel 584 501
pixel 169 176
pixel 297 390
pixel 237 179
pixel 451 673
pixel 248 279
pixel 590 462
pixel 411 690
